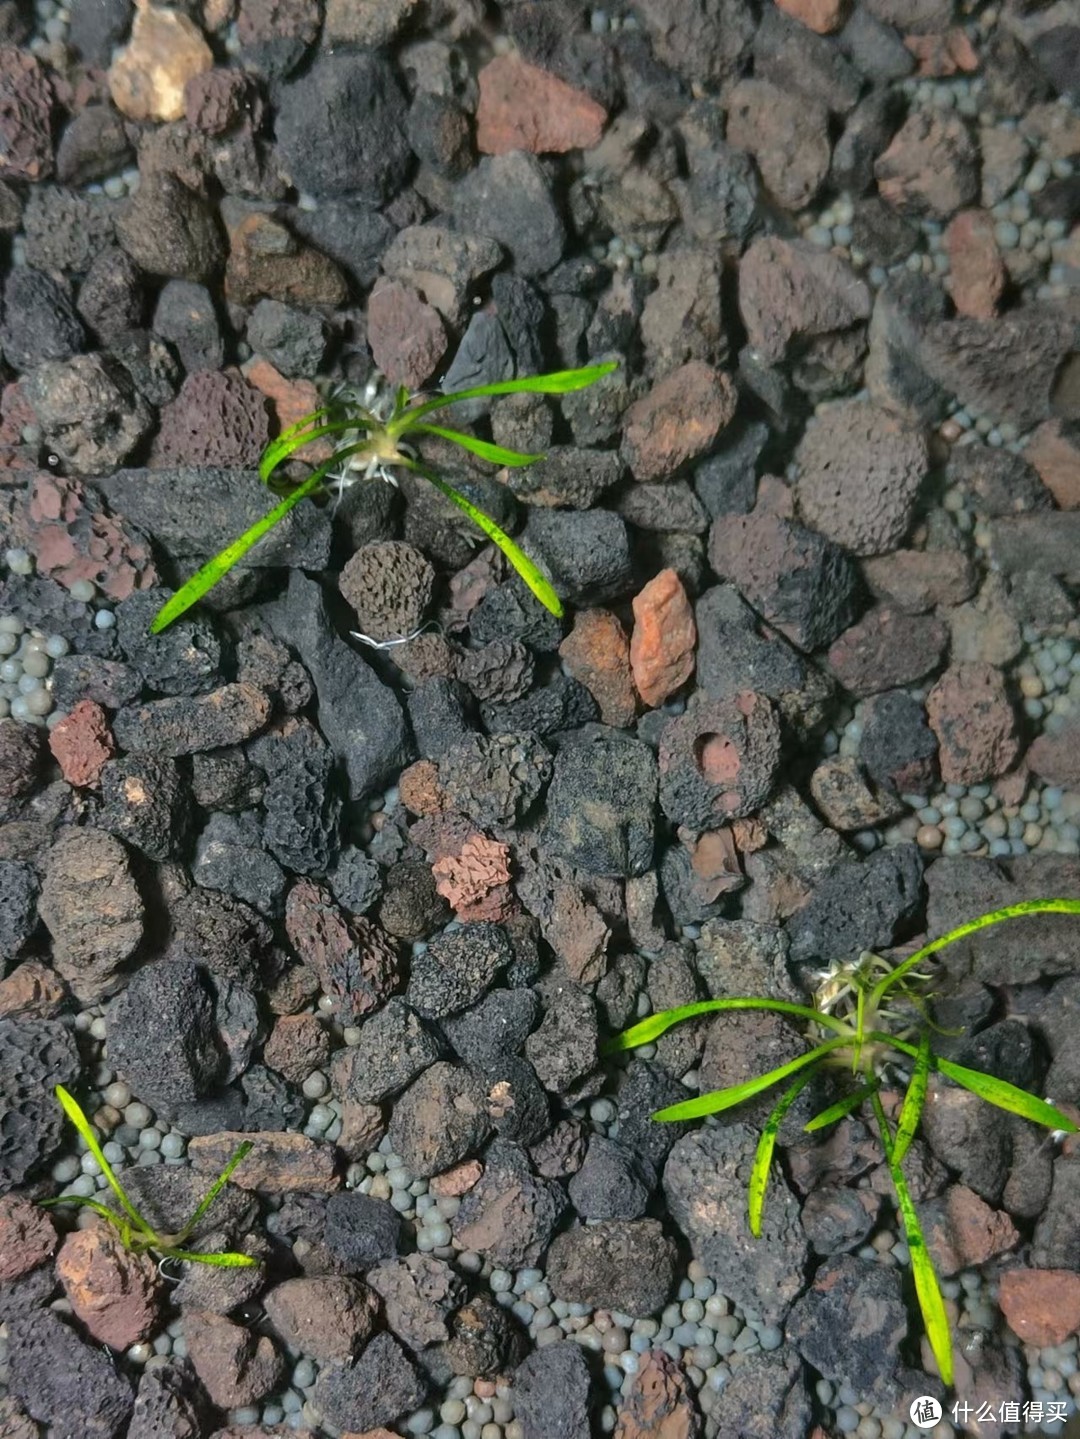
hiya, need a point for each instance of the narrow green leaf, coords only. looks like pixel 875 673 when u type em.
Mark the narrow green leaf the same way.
pixel 646 1030
pixel 972 926
pixel 560 382
pixel 239 1155
pixel 927 1289
pixel 102 1210
pixel 841 1107
pixel 1007 1096
pixel 204 579
pixel 73 1110
pixel 282 447
pixel 228 1260
pixel 496 454
pixel 914 1100
pixel 759 1175
pixel 720 1099
pixel 529 572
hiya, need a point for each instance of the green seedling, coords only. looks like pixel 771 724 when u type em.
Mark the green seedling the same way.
pixel 369 432
pixel 855 1023
pixel 136 1233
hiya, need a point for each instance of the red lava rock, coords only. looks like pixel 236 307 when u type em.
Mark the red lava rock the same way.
pixel 662 644
pixel 15 414
pixel 677 420
pixel 1055 758
pixel 216 419
pixel 969 711
pixel 290 401
pixel 420 790
pixel 943 54
pixel 453 1183
pixel 977 272
pixel 962 1230
pixel 357 964
pixel 917 580
pixel 522 107
pixel 886 649
pixel 1041 1306
pixel 1054 450
pixel 298 1043
pixel 279 1163
pixel 859 476
pixel 73 535
pixel 236 1366
pixel 26 110
pixel 476 878
pixel 405 333
pixel 82 744
pixel 597 654
pixel 265 259
pixel 931 167
pixel 788 135
pixel 792 289
pixel 329 1317
pixel 821 16
pixel 714 860
pixel 113 1292
pixel 27 1238
pixel 660 1403
pixel 578 933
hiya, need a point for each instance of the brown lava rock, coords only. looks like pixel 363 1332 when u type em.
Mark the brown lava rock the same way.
pixel 800 582
pixel 659 1403
pixel 931 166
pixel 787 133
pixel 405 333
pixel 188 725
pixel 970 712
pixel 719 760
pixel 297 1045
pixel 216 419
pixel 20 761
pixel 82 744
pixel 963 1231
pixel 597 654
pixel 859 476
pixel 237 1367
pixel 113 1292
pixel 27 1237
pixel 73 536
pixel 440 1119
pixel 26 149
pixel 389 584
pixel 265 259
pixel 278 1163
pixel 355 960
pixel 622 1264
pixel 329 1317
pixel 792 289
pixel 662 644
pixel 678 420
pixel 886 649
pixel 93 910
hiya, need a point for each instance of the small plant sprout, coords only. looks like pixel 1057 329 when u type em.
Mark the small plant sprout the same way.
pixel 136 1233
pixel 369 431
pixel 855 1023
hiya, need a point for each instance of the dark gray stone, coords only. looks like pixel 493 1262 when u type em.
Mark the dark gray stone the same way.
pixel 373 1390
pixel 162 1034
pixel 551 1393
pixel 601 803
pixel 850 1324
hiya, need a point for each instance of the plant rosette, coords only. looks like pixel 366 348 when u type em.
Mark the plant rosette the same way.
pixel 136 1233
pixel 856 1026
pixel 369 432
